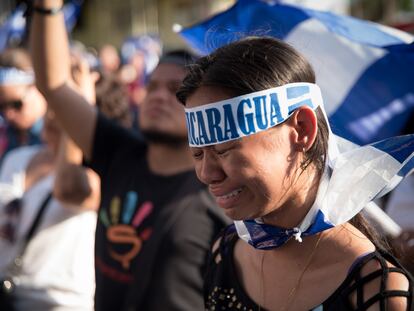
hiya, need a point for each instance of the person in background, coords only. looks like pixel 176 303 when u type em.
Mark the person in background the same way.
pixel 109 59
pixel 156 221
pixel 51 276
pixel 21 105
pixel 140 55
pixel 268 166
pixel 72 210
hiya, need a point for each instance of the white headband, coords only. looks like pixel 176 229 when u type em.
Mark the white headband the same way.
pixel 248 114
pixel 14 76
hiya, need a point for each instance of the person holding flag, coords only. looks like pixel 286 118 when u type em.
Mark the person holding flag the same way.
pixel 261 141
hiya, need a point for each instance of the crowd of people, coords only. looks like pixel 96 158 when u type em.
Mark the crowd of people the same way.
pixel 171 181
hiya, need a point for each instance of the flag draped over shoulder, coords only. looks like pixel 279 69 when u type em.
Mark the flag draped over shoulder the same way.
pixel 14 27
pixel 365 70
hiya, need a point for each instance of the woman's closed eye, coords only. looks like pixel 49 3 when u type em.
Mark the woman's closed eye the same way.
pixel 197 153
pixel 225 148
pixel 222 151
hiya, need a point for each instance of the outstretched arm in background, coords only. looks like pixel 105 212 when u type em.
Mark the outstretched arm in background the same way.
pixel 75 185
pixel 51 62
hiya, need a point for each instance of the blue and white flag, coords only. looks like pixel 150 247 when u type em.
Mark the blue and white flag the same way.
pixel 365 70
pixel 13 29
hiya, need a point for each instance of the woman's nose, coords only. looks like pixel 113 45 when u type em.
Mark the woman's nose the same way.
pixel 209 170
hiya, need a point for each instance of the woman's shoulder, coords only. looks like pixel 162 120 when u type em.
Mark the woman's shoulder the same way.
pixel 375 280
pixel 354 270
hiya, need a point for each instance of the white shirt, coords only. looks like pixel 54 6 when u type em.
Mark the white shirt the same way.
pixel 58 264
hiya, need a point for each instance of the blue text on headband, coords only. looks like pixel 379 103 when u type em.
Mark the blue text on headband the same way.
pixel 248 114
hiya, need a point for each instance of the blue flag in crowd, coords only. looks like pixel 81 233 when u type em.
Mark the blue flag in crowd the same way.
pixel 13 29
pixel 365 70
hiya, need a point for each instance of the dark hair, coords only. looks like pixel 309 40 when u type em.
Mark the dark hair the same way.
pixel 16 57
pixel 179 57
pixel 259 63
pixel 112 100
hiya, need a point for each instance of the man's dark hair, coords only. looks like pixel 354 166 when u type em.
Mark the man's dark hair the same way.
pixel 179 57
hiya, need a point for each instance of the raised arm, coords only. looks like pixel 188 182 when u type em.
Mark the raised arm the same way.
pixel 51 61
pixel 75 185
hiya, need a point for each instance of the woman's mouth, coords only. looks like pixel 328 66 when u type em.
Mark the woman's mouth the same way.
pixel 228 199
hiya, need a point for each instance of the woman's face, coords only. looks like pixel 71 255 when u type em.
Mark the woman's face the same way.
pixel 250 177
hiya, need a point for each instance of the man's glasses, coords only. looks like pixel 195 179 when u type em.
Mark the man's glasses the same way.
pixel 14 104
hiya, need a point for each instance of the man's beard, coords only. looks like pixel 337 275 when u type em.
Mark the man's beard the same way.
pixel 161 138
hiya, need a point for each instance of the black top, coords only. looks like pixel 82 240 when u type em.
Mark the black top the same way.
pixel 132 201
pixel 224 292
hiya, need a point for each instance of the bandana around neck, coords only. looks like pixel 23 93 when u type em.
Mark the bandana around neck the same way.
pixel 354 176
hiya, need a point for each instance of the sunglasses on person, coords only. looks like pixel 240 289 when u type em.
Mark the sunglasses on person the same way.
pixel 13 104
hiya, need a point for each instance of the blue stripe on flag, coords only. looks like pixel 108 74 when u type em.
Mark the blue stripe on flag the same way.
pixel 400 147
pixel 385 112
pixel 407 168
pixel 355 29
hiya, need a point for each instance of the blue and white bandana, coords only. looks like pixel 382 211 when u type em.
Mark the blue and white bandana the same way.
pixel 14 76
pixel 354 176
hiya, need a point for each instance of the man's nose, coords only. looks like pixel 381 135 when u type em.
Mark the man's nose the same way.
pixel 160 94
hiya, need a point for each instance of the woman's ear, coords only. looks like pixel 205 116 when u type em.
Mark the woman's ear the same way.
pixel 305 128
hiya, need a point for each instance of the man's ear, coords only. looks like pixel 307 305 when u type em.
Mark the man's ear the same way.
pixel 304 128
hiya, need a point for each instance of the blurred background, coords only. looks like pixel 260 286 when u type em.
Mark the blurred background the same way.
pixel 367 82
pixel 117 19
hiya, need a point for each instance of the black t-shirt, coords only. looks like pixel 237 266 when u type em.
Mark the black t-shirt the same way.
pixel 132 199
pixel 223 291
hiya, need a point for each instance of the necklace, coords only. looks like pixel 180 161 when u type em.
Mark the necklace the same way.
pixel 292 292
